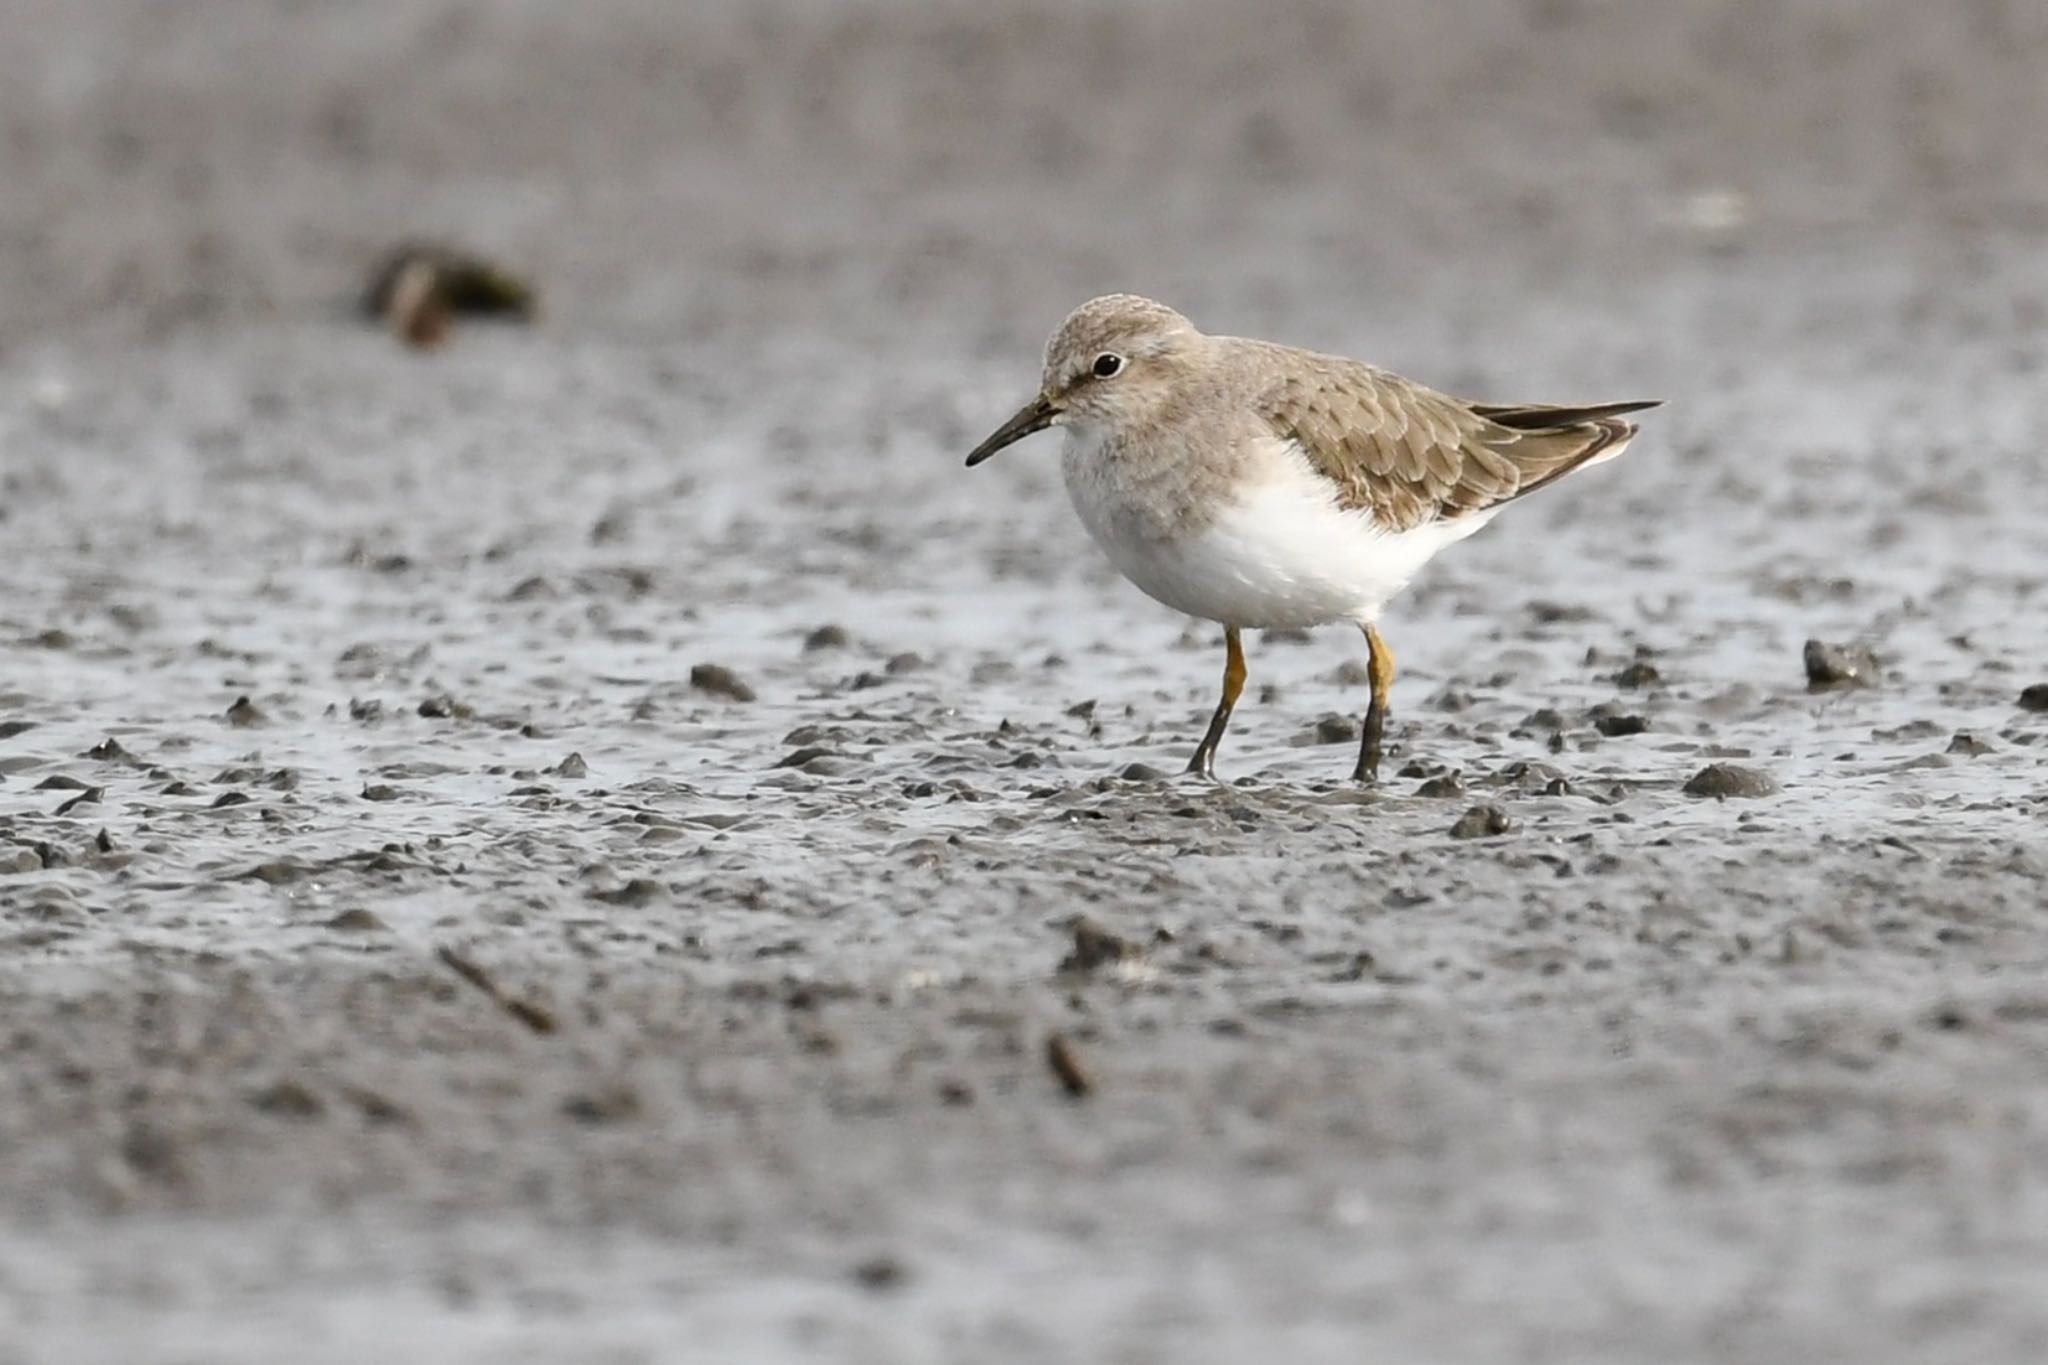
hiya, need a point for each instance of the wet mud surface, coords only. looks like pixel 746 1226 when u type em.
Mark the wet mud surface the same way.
pixel 602 841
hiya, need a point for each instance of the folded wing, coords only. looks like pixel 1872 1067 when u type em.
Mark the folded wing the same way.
pixel 1409 455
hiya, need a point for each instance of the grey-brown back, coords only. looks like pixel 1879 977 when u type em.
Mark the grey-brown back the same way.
pixel 1410 455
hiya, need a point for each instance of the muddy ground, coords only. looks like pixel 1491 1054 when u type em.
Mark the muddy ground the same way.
pixel 401 957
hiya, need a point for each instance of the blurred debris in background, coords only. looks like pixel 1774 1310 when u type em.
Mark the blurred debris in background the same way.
pixel 419 288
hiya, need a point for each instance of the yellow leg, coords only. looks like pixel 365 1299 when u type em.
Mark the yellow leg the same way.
pixel 1379 667
pixel 1204 761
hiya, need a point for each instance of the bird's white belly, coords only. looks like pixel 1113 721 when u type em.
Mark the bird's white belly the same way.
pixel 1277 551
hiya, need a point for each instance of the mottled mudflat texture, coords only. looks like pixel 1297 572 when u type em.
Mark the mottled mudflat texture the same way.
pixel 564 847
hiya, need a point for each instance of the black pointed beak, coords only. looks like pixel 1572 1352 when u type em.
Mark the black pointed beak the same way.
pixel 1036 415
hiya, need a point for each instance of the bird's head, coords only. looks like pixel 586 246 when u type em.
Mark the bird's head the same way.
pixel 1116 361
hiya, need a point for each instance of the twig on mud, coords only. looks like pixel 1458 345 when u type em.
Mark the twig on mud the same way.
pixel 531 1015
pixel 1066 1064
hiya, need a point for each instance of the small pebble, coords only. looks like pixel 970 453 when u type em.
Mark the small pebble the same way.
pixel 1638 674
pixel 1331 729
pixel 879 1273
pixel 827 637
pixel 1725 780
pixel 1830 666
pixel 1095 946
pixel 1482 822
pixel 720 681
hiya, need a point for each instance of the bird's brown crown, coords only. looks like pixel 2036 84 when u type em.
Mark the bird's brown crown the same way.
pixel 1129 325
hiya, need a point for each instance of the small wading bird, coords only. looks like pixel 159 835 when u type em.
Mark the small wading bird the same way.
pixel 1257 485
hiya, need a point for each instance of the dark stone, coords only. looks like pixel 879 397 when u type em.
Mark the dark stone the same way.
pixel 720 681
pixel 1482 822
pixel 1725 780
pixel 1831 666
pixel 827 637
pixel 1638 674
pixel 1095 946
pixel 1335 729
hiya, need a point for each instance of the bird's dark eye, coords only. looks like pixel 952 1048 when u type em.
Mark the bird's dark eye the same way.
pixel 1108 364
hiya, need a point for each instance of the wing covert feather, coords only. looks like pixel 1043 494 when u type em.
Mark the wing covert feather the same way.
pixel 1409 455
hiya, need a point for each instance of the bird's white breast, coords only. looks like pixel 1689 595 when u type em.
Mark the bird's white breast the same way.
pixel 1269 548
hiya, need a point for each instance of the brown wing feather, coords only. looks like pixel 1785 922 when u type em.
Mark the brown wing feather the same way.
pixel 1410 455
pixel 1532 416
